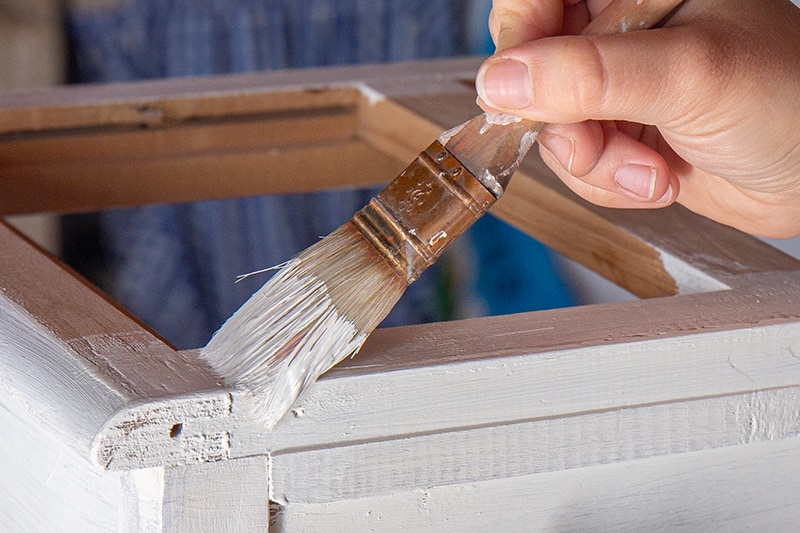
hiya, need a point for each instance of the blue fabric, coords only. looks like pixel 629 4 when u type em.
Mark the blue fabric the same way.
pixel 152 39
pixel 515 273
pixel 173 266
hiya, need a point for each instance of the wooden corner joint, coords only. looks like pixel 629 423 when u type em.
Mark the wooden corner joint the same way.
pixel 167 432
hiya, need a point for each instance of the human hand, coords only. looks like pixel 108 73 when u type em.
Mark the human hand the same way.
pixel 704 110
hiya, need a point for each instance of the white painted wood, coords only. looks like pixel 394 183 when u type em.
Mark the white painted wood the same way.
pixel 44 230
pixel 502 451
pixel 515 377
pixel 362 434
pixel 164 432
pixel 688 278
pixel 354 407
pixel 228 496
pixel 46 484
pixel 461 423
pixel 739 488
pixel 38 372
pixel 85 371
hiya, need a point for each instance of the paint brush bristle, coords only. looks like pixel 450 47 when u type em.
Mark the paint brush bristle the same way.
pixel 315 311
pixel 320 306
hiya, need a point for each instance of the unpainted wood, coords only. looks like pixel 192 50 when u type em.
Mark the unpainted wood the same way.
pixel 112 145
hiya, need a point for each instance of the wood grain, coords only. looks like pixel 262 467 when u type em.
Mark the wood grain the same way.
pixel 684 492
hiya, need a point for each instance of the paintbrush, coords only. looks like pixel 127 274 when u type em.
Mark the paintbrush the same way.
pixel 320 306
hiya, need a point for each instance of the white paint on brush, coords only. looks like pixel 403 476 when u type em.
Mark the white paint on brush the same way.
pixel 286 335
pixel 315 311
pixel 526 143
pixel 498 119
pixel 489 181
pixel 492 182
pixel 449 134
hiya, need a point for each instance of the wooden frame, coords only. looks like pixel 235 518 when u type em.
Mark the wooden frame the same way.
pixel 677 410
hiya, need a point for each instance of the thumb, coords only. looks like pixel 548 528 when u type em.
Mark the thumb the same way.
pixel 642 76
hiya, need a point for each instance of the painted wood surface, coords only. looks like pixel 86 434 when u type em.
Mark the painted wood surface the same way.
pixel 743 488
pixel 49 484
pixel 556 418
pixel 228 496
pixel 72 356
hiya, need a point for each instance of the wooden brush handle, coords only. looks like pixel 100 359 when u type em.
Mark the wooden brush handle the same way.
pixel 621 16
pixel 492 149
pixel 452 183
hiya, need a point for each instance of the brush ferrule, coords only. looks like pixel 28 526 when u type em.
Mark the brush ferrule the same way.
pixel 413 220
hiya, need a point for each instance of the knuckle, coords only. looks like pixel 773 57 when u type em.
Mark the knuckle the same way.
pixel 708 61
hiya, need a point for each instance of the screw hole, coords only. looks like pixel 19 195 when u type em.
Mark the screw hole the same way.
pixel 175 430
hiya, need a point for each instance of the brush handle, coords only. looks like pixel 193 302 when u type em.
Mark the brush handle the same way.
pixel 452 183
pixel 621 16
pixel 493 146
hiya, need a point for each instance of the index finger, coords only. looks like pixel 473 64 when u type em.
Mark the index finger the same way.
pixel 513 22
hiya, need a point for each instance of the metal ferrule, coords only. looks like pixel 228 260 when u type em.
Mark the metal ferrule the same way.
pixel 413 220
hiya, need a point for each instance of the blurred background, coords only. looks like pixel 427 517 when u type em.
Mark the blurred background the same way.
pixel 174 265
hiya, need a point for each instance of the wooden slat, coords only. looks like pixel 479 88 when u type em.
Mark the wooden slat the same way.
pixel 214 134
pixel 743 488
pixel 132 145
pixel 156 102
pixel 190 157
pixel 123 105
pixel 98 184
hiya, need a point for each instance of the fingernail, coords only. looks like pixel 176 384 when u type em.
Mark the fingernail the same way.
pixel 639 180
pixel 562 148
pixel 505 84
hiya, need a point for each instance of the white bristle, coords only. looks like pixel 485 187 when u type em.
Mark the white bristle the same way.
pixel 315 311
